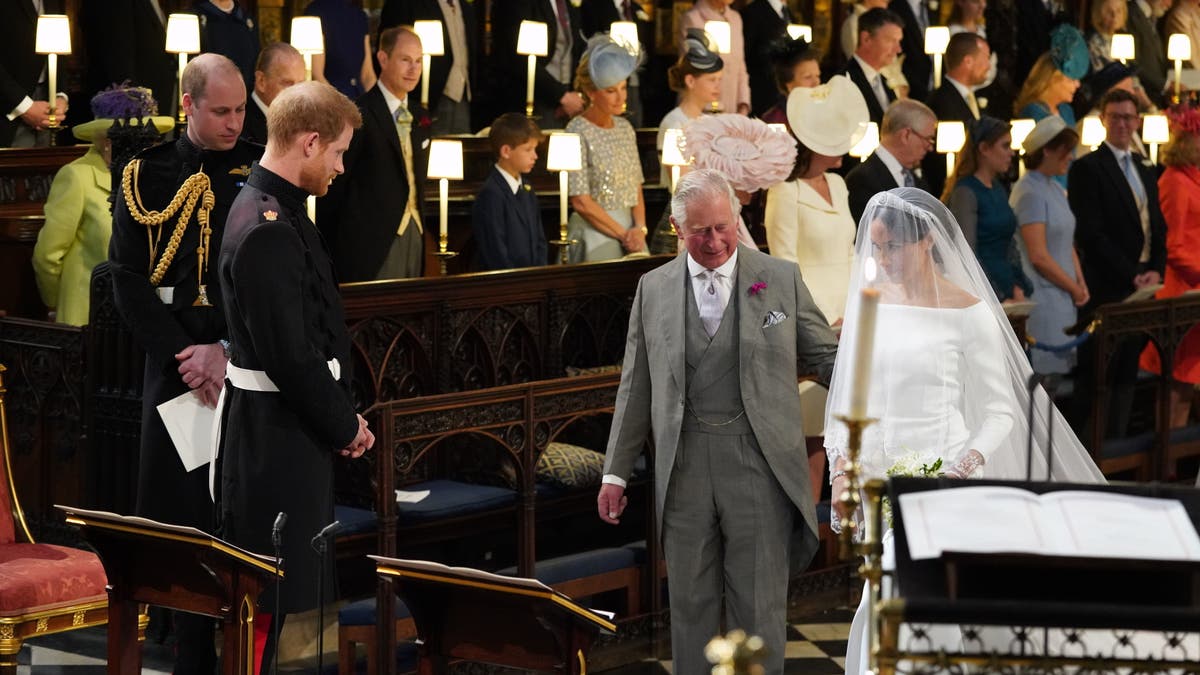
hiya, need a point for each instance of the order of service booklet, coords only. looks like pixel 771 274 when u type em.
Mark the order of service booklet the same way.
pixel 1090 524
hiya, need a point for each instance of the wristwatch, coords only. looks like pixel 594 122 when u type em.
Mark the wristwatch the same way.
pixel 225 346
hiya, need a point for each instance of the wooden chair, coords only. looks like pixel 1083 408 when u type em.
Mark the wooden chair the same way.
pixel 43 588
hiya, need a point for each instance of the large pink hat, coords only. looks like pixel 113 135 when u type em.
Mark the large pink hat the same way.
pixel 752 155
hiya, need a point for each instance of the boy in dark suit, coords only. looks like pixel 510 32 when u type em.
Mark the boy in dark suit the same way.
pixel 505 217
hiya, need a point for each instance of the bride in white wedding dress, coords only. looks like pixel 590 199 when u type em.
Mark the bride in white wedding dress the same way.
pixel 948 378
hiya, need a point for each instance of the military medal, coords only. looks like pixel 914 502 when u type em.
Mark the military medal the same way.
pixel 202 298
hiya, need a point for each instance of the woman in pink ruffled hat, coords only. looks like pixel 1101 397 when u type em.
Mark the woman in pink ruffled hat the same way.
pixel 750 154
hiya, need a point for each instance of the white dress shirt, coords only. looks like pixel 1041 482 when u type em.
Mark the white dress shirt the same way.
pixel 893 165
pixel 514 184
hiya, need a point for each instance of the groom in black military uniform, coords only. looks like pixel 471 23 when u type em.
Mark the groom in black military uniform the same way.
pixel 168 220
pixel 287 408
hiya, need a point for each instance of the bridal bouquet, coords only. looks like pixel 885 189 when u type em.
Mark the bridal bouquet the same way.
pixel 909 465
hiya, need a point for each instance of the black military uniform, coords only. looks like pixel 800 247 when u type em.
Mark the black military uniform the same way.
pixel 287 327
pixel 164 316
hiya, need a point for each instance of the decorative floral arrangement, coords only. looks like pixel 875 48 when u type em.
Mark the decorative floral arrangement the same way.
pixel 746 151
pixel 1185 118
pixel 758 287
pixel 909 465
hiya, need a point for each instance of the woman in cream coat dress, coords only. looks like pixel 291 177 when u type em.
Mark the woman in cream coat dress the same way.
pixel 808 220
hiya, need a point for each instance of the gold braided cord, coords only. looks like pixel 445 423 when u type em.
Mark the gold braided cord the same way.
pixel 197 187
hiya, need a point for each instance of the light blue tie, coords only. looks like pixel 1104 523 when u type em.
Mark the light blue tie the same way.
pixel 1139 190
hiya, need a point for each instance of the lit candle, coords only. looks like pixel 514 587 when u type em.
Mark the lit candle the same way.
pixel 529 85
pixel 864 346
pixel 562 205
pixel 443 212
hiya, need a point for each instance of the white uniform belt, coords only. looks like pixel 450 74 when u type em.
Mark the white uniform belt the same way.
pixel 257 380
pixel 246 380
pixel 166 294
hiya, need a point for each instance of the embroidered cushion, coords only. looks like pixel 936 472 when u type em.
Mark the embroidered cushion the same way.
pixel 570 466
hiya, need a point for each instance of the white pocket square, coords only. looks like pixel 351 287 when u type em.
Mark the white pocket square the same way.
pixel 773 318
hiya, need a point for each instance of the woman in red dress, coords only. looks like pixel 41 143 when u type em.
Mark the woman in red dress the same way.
pixel 1179 197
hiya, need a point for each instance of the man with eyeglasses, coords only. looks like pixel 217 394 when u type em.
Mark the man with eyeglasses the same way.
pixel 906 135
pixel 1120 234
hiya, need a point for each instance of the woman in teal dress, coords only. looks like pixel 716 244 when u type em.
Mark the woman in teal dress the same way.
pixel 979 202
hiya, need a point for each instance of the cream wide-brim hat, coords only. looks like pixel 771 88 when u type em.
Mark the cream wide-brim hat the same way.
pixel 87 130
pixel 829 119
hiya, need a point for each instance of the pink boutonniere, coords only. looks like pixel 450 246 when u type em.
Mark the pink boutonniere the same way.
pixel 758 287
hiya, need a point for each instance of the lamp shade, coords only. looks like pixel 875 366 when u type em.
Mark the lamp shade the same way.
pixel 1122 47
pixel 445 159
pixel 532 39
pixel 797 31
pixel 1155 129
pixel 307 36
pixel 1021 129
pixel 565 152
pixel 625 33
pixel 183 34
pixel 1094 132
pixel 430 33
pixel 671 154
pixel 718 31
pixel 53 34
pixel 951 136
pixel 869 142
pixel 937 38
pixel 1179 47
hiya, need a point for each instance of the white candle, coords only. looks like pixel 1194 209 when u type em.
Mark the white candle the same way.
pixel 562 205
pixel 949 164
pixel 52 97
pixel 182 64
pixel 443 210
pixel 868 308
pixel 307 67
pixel 937 70
pixel 426 59
pixel 529 85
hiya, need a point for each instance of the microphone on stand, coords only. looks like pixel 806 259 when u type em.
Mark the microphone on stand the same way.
pixel 320 544
pixel 277 542
pixel 1034 380
pixel 1049 383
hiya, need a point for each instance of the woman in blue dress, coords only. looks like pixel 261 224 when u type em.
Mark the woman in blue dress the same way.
pixel 1048 242
pixel 979 202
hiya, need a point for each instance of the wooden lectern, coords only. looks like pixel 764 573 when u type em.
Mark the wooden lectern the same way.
pixel 177 568
pixel 471 615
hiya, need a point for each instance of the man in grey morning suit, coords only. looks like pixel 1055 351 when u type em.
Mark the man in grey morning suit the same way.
pixel 715 337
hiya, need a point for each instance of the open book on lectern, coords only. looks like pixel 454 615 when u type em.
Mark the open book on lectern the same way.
pixel 1077 523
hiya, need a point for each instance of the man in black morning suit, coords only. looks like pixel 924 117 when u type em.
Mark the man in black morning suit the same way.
pixel 22 101
pixel 763 22
pixel 968 59
pixel 279 67
pixel 125 40
pixel 879 35
pixel 554 100
pixel 1121 238
pixel 907 133
pixel 918 66
pixel 371 216
pixel 451 110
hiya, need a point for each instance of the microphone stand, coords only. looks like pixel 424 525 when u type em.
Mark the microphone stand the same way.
pixel 320 544
pixel 276 623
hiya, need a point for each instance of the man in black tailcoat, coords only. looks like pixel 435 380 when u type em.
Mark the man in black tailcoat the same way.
pixel 166 292
pixel 287 407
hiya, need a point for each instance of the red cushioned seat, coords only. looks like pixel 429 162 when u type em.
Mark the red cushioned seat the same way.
pixel 46 576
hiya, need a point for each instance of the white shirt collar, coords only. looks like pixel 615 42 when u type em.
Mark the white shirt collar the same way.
pixel 868 71
pixel 777 5
pixel 1146 9
pixel 963 90
pixel 1120 154
pixel 258 101
pixel 725 271
pixel 513 183
pixel 393 102
pixel 893 165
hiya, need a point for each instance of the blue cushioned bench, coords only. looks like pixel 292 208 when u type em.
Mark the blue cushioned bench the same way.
pixel 356 625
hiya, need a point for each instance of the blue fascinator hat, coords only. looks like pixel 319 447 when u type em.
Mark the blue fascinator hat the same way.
pixel 1069 52
pixel 608 61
